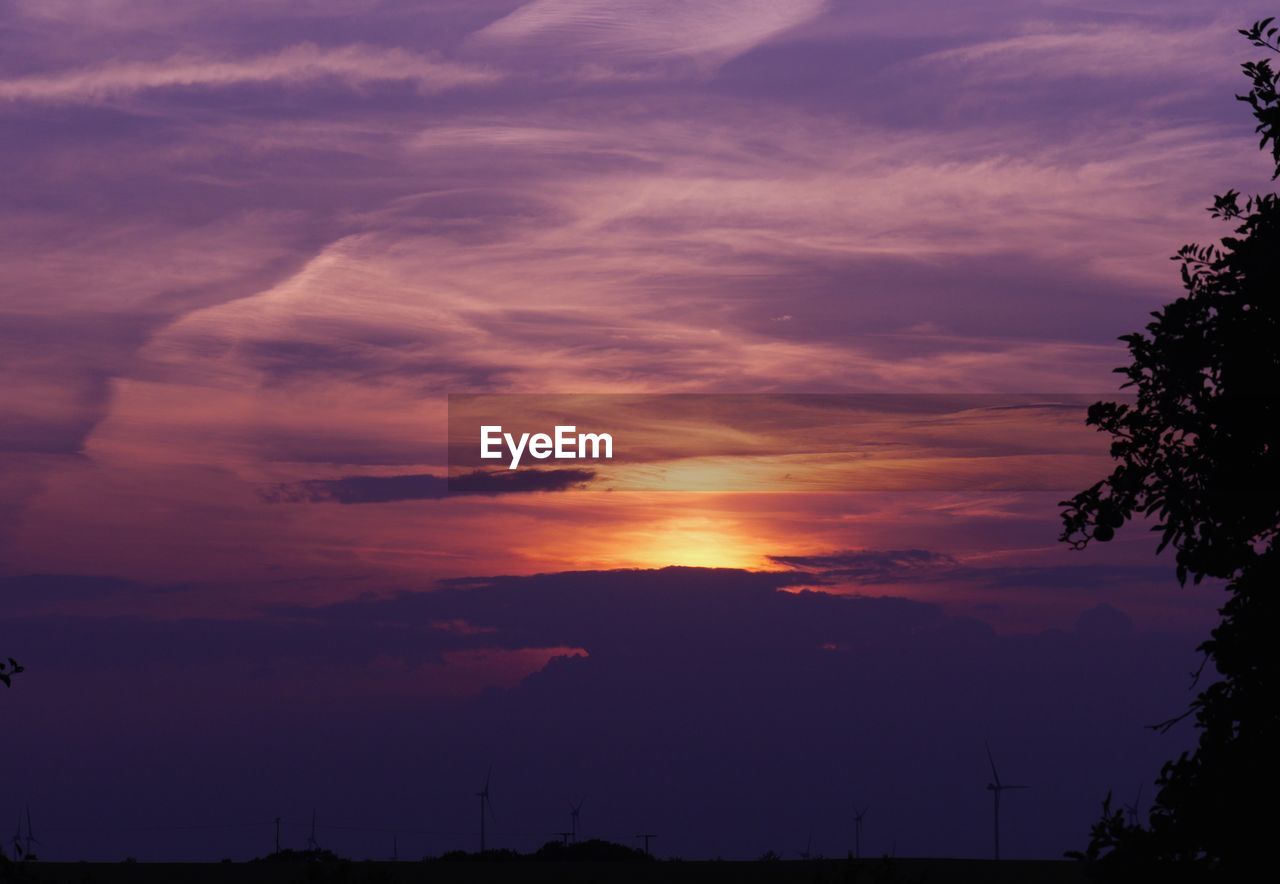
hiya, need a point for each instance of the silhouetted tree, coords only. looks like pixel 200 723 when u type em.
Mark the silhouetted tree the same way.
pixel 1197 450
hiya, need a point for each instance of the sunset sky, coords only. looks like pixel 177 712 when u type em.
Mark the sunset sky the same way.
pixel 251 247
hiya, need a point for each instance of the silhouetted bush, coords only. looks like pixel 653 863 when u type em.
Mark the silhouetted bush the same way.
pixel 593 850
pixel 503 855
pixel 289 855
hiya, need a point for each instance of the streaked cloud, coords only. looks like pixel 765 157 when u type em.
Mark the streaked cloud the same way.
pixel 353 65
pixel 709 31
pixel 425 486
pixel 871 565
pixel 1116 49
pixel 123 14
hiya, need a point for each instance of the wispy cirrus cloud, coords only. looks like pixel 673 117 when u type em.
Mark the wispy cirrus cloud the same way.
pixel 121 14
pixel 353 65
pixel 1055 50
pixel 712 31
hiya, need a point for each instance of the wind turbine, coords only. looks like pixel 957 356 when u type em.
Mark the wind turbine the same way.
pixel 996 787
pixel 32 840
pixel 17 841
pixel 1132 809
pixel 312 844
pixel 574 811
pixel 804 854
pixel 857 831
pixel 486 807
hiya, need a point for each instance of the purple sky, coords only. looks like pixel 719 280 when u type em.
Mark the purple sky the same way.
pixel 252 246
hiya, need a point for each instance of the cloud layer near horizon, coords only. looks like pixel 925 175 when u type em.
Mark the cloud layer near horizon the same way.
pixel 650 691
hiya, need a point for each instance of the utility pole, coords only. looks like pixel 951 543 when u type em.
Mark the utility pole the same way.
pixel 646 836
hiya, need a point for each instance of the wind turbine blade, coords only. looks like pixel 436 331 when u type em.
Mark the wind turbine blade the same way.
pixel 995 776
pixel 488 777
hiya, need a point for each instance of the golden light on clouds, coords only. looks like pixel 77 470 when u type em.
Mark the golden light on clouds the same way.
pixel 699 541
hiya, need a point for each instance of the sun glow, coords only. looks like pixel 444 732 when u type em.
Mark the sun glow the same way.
pixel 693 541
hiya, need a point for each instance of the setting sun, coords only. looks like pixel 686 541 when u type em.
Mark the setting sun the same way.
pixel 694 541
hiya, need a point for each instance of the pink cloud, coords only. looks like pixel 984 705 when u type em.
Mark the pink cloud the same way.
pixel 353 65
pixel 711 32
